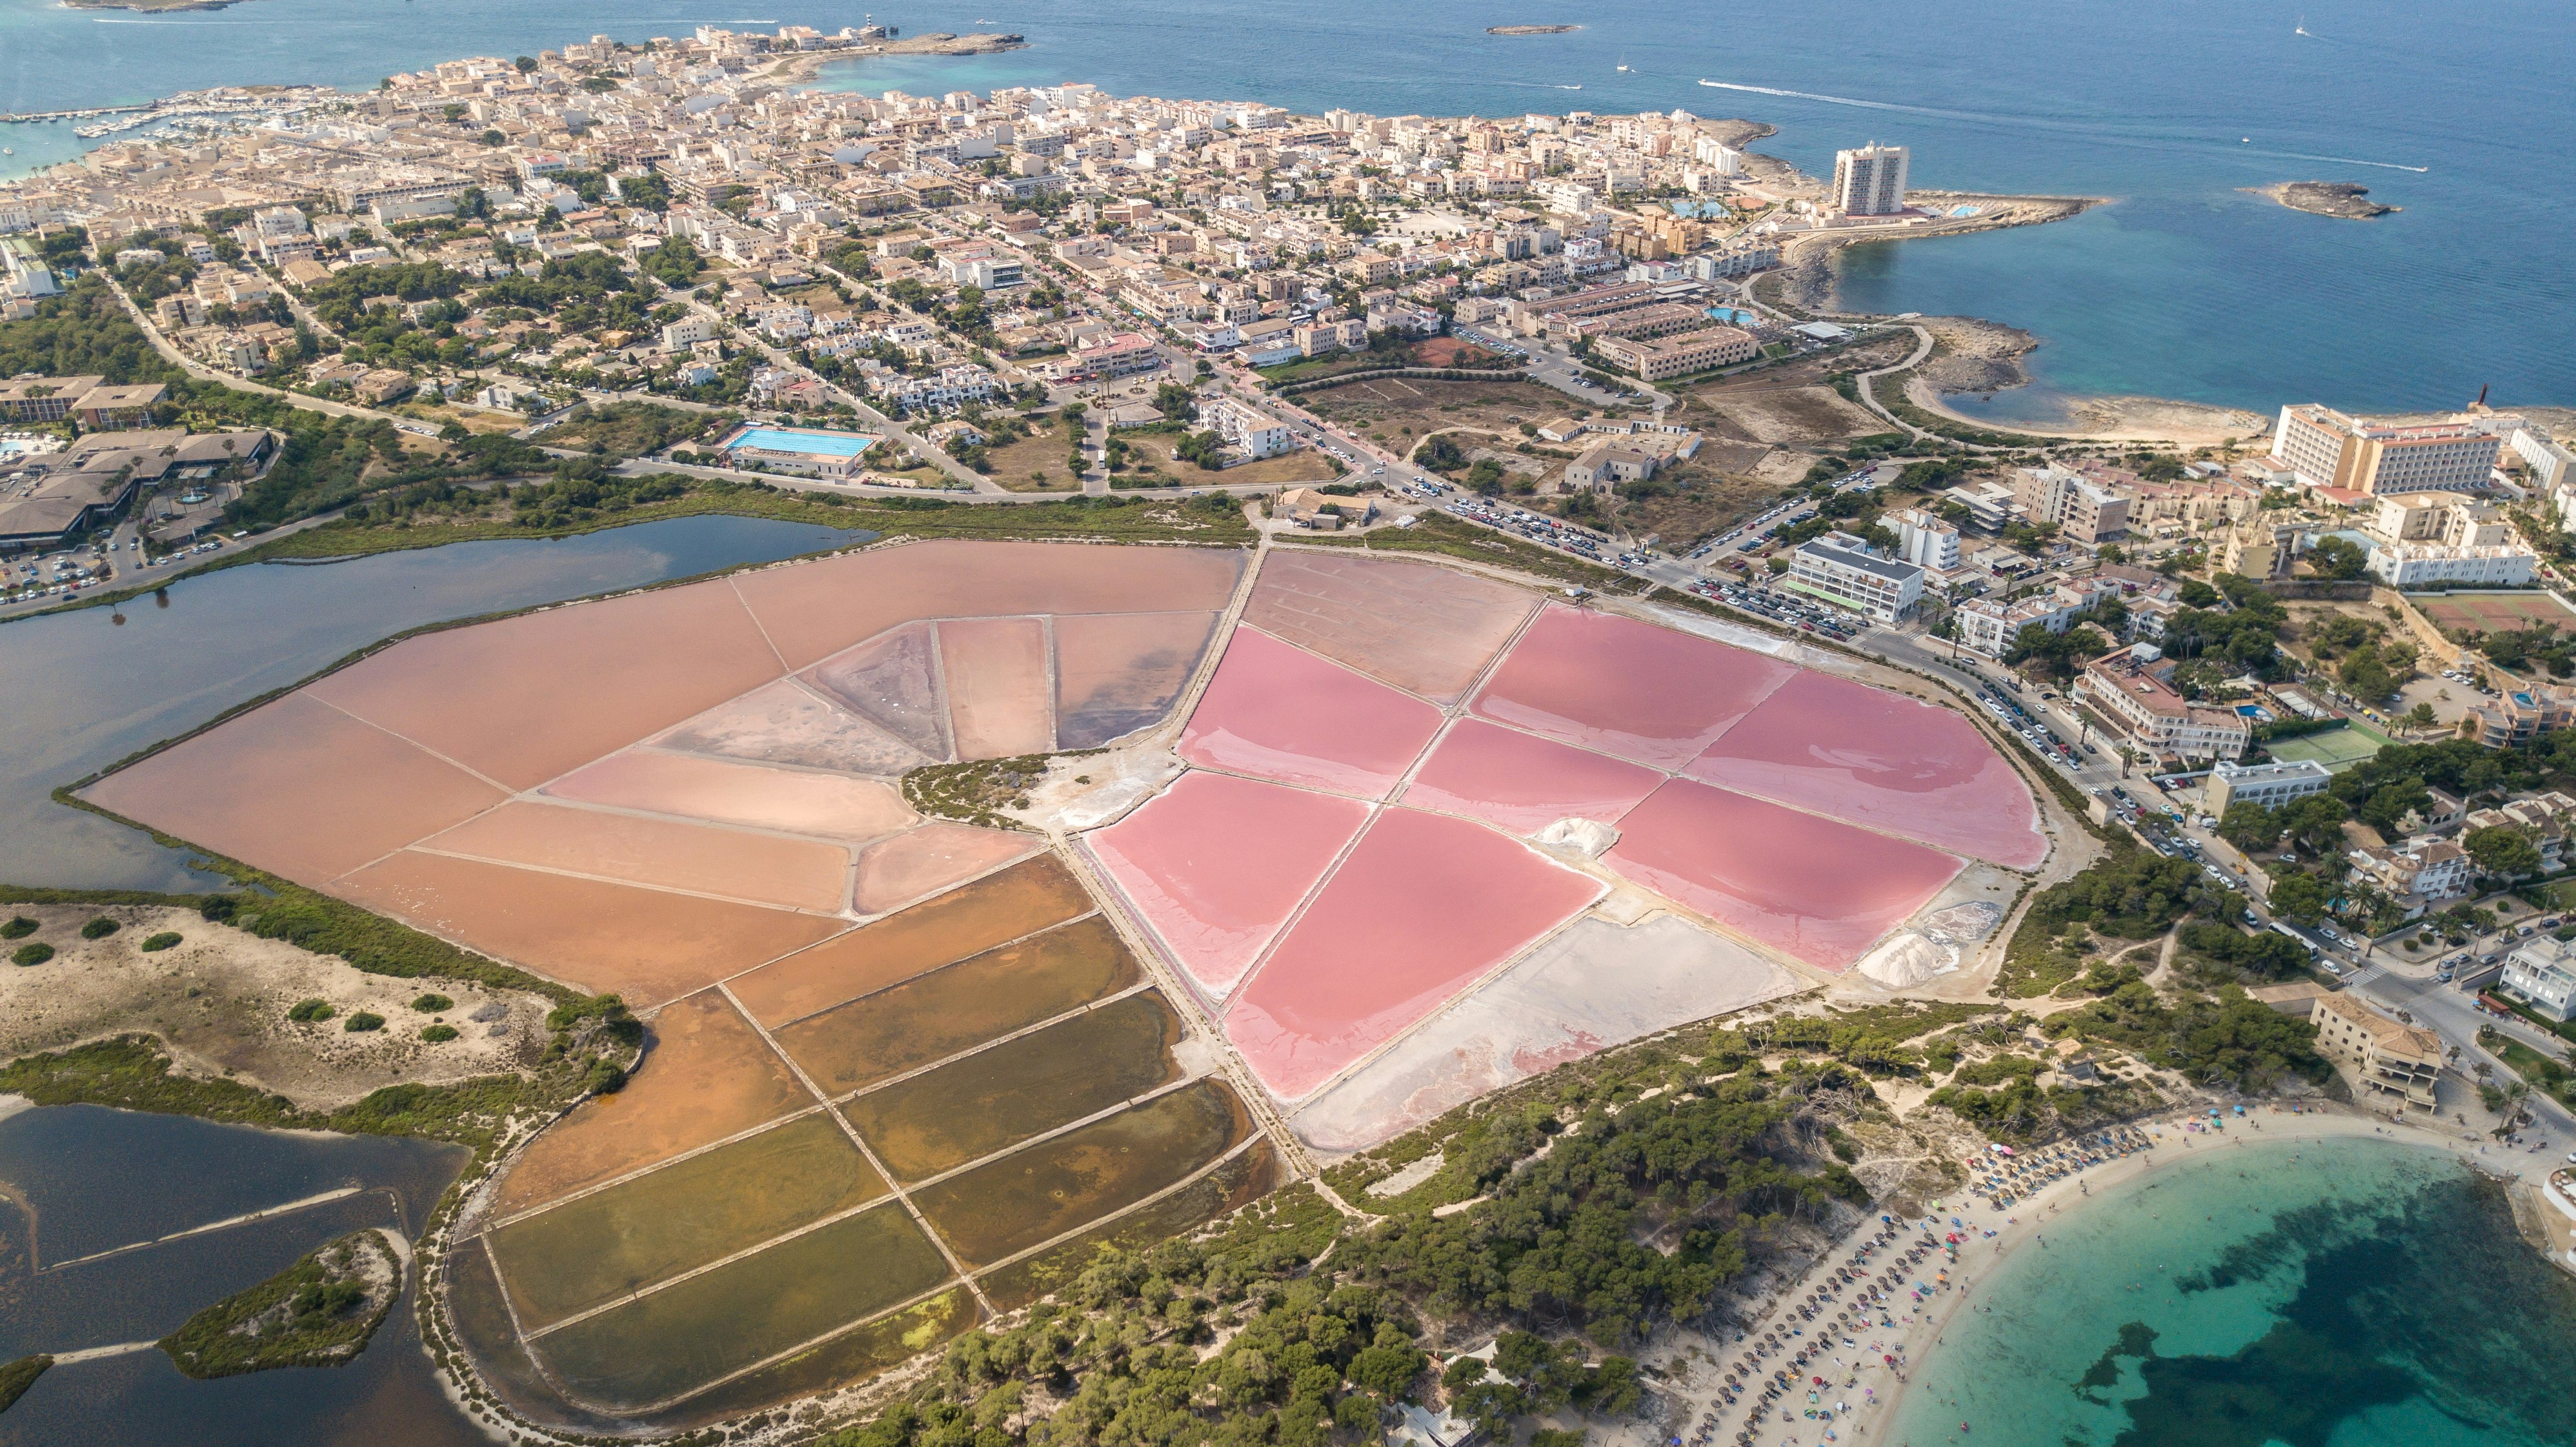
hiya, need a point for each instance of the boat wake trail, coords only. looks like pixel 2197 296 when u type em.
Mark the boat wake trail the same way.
pixel 2038 123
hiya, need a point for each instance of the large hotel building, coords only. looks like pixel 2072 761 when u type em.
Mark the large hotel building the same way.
pixel 2328 449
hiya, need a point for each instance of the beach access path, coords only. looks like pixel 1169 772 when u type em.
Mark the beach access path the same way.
pixel 1864 1391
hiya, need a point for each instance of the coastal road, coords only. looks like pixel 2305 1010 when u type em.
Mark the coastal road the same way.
pixel 2457 1019
pixel 1869 392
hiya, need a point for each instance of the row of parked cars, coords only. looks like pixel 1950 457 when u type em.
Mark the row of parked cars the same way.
pixel 2008 710
pixel 1797 613
pixel 1541 529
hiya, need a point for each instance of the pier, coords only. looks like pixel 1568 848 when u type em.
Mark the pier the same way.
pixel 21 117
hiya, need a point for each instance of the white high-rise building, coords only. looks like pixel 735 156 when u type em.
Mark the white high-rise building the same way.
pixel 1870 181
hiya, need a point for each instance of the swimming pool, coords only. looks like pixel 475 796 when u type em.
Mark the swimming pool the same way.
pixel 790 439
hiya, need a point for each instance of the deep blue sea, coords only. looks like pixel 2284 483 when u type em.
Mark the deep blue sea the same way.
pixel 2185 287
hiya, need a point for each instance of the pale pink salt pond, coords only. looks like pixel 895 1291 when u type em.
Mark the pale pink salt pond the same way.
pixel 1627 688
pixel 792 801
pixel 1809 887
pixel 1593 986
pixel 1418 626
pixel 1217 864
pixel 1522 783
pixel 1282 713
pixel 1884 760
pixel 1000 703
pixel 1423 906
pixel 921 862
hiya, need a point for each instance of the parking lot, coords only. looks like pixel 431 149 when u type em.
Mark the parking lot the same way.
pixel 1794 610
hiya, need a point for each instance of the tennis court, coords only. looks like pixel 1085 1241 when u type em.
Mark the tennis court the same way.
pixel 2457 614
pixel 2337 749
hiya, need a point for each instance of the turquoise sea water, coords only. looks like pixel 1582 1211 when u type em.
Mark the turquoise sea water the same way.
pixel 2185 287
pixel 2351 1293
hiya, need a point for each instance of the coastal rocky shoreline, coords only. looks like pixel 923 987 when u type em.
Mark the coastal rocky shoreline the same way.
pixel 2344 200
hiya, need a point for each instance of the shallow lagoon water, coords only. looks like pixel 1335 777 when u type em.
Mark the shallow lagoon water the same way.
pixel 2345 1293
pixel 77 1180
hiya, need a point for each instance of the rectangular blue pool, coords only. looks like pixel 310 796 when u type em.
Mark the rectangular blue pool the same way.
pixel 793 439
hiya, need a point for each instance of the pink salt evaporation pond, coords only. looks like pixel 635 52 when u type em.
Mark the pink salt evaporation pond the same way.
pixel 785 723
pixel 792 801
pixel 1282 713
pixel 676 854
pixel 889 681
pixel 1418 626
pixel 1000 704
pixel 298 787
pixel 1116 673
pixel 811 610
pixel 1884 760
pixel 1645 693
pixel 1423 905
pixel 1596 985
pixel 527 699
pixel 921 862
pixel 1809 887
pixel 1524 784
pixel 1217 864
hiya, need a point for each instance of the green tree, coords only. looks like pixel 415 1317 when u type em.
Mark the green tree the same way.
pixel 2503 850
pixel 2250 826
pixel 2300 896
pixel 2340 559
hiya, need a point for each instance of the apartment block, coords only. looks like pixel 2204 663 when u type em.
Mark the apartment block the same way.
pixel 2542 974
pixel 1247 427
pixel 1841 569
pixel 2084 511
pixel 1870 181
pixel 2519 715
pixel 1990 625
pixel 1924 540
pixel 2270 785
pixel 1657 358
pixel 2133 689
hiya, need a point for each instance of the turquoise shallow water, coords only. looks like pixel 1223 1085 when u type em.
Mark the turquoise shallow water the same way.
pixel 2351 1293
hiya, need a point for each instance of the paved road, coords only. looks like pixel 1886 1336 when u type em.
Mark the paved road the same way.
pixel 1869 392
pixel 197 369
pixel 785 361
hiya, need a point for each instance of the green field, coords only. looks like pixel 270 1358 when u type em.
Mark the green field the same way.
pixel 2337 749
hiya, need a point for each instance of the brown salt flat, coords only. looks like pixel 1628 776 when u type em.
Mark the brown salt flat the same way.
pixel 894 872
pixel 792 801
pixel 701 858
pixel 643 944
pixel 1418 626
pixel 528 698
pixel 1116 673
pixel 296 787
pixel 706 1075
pixel 813 610
pixel 1020 900
pixel 783 723
pixel 891 682
pixel 1000 703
